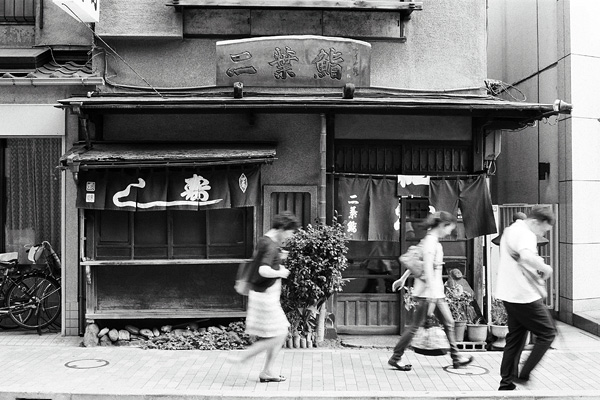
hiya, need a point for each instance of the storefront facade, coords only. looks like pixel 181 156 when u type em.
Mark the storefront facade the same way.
pixel 413 105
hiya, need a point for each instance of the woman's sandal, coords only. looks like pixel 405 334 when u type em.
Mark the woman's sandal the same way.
pixel 279 378
pixel 406 367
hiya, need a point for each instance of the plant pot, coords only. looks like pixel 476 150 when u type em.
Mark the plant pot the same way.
pixel 500 332
pixel 477 333
pixel 459 330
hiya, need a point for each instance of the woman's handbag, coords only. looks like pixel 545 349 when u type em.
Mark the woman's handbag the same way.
pixel 430 340
pixel 245 275
pixel 242 281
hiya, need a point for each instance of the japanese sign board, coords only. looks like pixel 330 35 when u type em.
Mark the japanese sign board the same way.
pixel 84 10
pixel 294 61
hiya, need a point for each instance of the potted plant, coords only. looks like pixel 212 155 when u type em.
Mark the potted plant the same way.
pixel 499 326
pixel 316 259
pixel 477 327
pixel 458 301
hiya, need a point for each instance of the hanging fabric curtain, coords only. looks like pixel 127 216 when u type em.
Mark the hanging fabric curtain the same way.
pixel 369 207
pixel 472 196
pixel 159 189
pixel 32 193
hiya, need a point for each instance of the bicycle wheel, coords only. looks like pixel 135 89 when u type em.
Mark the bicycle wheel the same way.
pixel 34 301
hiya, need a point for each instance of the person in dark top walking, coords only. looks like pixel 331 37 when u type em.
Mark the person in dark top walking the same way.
pixel 265 318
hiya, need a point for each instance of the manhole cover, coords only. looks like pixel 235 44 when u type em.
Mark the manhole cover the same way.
pixel 86 364
pixel 468 370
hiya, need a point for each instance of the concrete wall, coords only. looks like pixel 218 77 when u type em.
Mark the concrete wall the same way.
pixel 583 61
pixel 60 29
pixel 522 51
pixel 297 137
pixel 552 45
pixel 427 60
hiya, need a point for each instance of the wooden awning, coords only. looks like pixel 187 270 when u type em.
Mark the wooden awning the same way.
pixel 378 5
pixel 151 176
pixel 148 155
pixel 495 112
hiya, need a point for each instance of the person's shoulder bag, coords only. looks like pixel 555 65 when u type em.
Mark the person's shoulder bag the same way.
pixel 243 280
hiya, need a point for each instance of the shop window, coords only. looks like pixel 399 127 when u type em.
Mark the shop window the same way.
pixel 208 234
pixel 17 11
pixel 31 193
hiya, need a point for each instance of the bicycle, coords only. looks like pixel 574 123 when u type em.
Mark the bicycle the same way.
pixel 33 294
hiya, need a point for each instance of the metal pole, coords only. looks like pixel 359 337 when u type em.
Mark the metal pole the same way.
pixel 322 210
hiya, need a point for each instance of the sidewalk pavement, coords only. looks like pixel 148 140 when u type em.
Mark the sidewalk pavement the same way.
pixel 57 368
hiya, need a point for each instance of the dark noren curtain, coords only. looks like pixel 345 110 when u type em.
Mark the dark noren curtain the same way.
pixel 32 185
pixel 369 208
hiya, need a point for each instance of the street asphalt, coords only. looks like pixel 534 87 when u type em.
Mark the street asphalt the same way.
pixel 58 368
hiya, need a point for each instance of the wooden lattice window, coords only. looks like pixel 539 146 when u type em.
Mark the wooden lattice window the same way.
pixel 17 11
pixel 393 157
pixel 300 200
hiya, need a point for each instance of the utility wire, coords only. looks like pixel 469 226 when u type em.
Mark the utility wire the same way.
pixel 113 50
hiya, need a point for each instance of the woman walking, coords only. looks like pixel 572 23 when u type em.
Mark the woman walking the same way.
pixel 265 317
pixel 428 291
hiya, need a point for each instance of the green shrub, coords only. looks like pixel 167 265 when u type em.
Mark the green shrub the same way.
pixel 316 259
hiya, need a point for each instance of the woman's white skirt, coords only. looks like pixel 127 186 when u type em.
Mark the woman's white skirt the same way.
pixel 265 317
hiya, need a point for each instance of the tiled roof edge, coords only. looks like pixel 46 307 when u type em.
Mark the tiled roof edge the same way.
pixel 92 81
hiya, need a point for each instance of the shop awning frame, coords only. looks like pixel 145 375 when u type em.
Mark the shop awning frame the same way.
pixel 108 155
pixel 497 113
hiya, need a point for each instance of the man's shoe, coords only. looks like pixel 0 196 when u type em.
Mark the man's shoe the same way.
pixel 512 386
pixel 462 362
pixel 521 380
pixel 395 364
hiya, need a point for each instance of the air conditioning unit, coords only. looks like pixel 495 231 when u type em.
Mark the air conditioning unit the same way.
pixel 491 146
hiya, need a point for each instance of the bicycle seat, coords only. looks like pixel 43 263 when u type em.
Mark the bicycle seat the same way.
pixel 9 258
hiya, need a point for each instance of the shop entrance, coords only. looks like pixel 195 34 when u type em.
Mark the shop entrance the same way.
pixel 367 304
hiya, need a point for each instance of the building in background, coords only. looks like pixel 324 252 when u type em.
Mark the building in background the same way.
pixel 549 50
pixel 43 58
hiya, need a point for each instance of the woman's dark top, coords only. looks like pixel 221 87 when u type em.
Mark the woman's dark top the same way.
pixel 267 253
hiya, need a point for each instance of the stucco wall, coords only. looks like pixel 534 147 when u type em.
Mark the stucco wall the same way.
pixel 17 36
pixel 427 60
pixel 297 137
pixel 61 29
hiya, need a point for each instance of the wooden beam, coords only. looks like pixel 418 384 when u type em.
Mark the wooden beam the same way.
pixel 383 5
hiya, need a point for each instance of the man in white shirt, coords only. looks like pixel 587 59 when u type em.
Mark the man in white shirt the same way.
pixel 521 276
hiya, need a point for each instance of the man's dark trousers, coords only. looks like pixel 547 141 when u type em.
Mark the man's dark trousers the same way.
pixel 533 317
